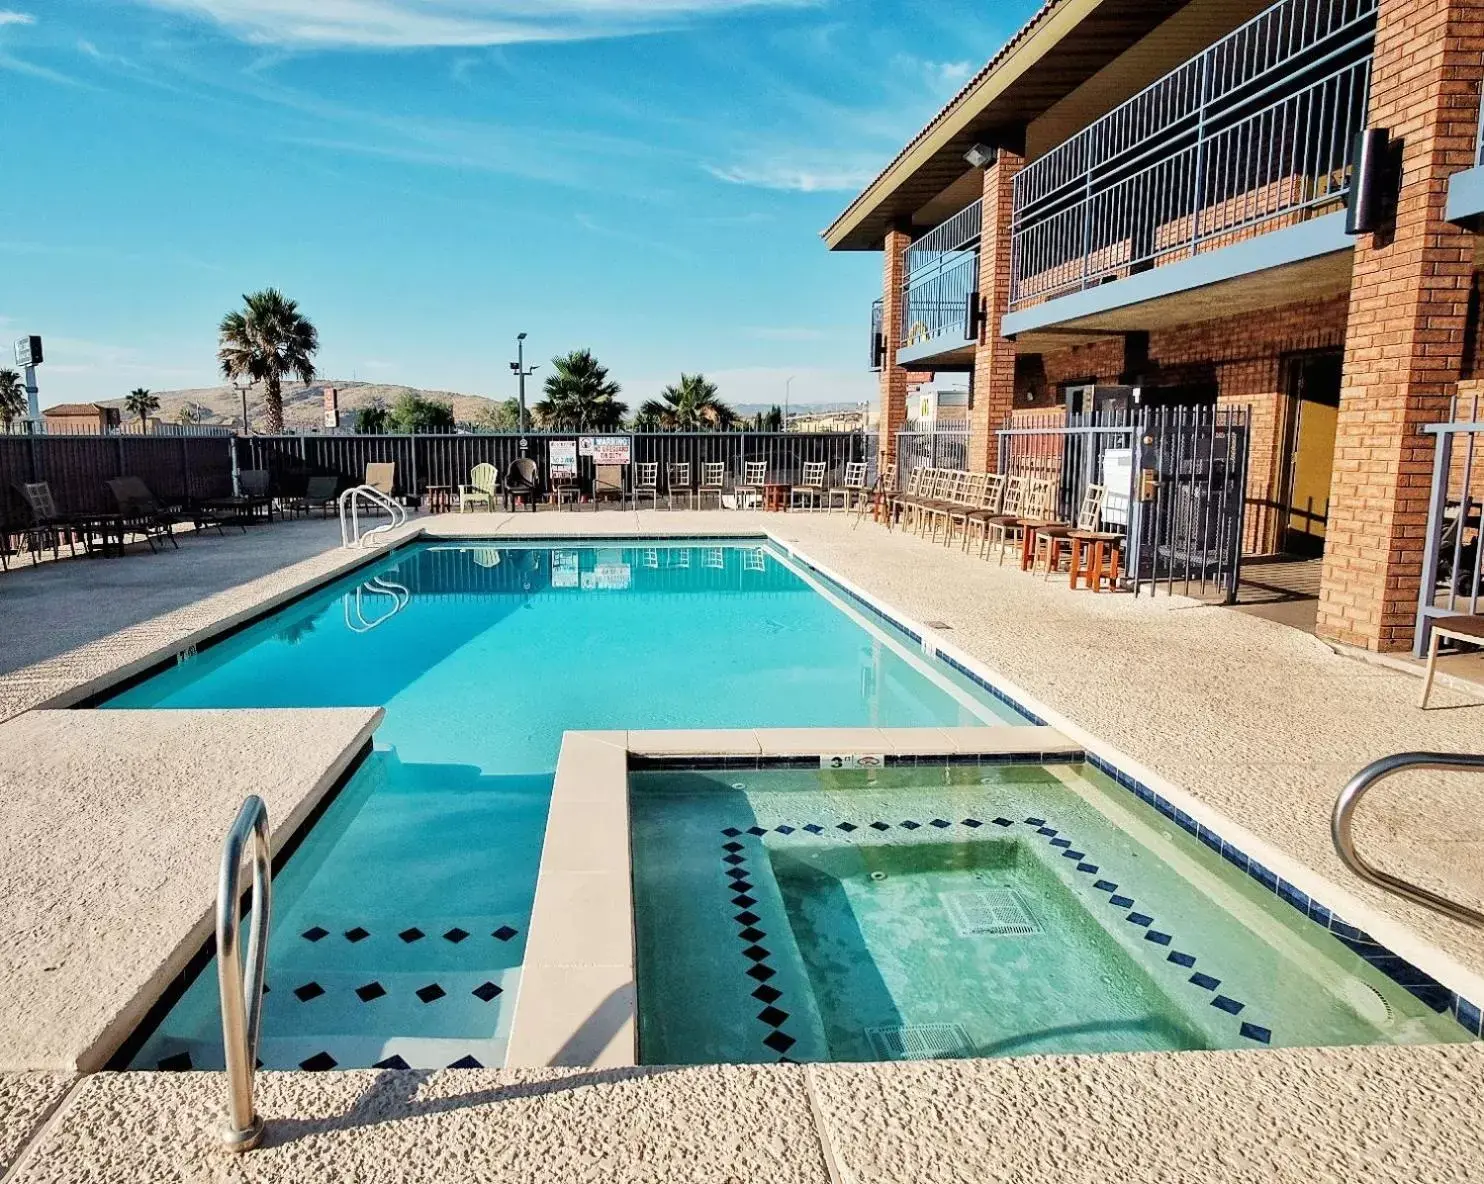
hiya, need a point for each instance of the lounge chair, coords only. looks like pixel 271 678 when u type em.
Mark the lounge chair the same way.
pixel 319 492
pixel 677 480
pixel 646 483
pixel 140 513
pixel 750 488
pixel 810 486
pixel 484 484
pixel 713 481
pixel 851 489
pixel 49 526
pixel 522 479
pixel 608 483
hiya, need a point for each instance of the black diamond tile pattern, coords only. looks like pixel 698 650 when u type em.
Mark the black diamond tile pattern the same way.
pixel 746 918
pixel 504 933
pixel 431 993
pixel 779 1041
pixel 466 1062
pixel 178 1063
pixel 412 935
pixel 756 953
pixel 485 991
pixel 392 1062
pixel 772 1016
pixel 370 992
pixel 751 933
pixel 318 1063
pixel 456 935
pixel 761 973
pixel 314 934
pixel 356 934
pixel 309 991
pixel 767 994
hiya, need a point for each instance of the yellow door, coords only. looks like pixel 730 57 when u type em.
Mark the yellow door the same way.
pixel 1313 466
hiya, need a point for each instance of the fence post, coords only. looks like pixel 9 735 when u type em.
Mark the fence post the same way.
pixel 185 468
pixel 1437 507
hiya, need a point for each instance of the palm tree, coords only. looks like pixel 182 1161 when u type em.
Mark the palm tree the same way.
pixel 187 415
pixel 580 396
pixel 141 403
pixel 689 406
pixel 267 341
pixel 12 398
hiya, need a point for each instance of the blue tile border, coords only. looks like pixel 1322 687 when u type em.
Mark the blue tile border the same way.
pixel 1403 973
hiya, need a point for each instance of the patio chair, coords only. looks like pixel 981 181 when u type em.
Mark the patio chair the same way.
pixel 811 484
pixel 319 492
pixel 930 487
pixel 991 503
pixel 750 488
pixel 140 514
pixel 646 483
pixel 134 497
pixel 1012 506
pixel 522 479
pixel 565 488
pixel 933 510
pixel 894 500
pixel 970 501
pixel 677 480
pixel 1009 529
pixel 851 489
pixel 608 483
pixel 484 484
pixel 1050 536
pixel 1465 628
pixel 49 526
pixel 713 481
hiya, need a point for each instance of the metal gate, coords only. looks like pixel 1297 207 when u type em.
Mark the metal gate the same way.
pixel 935 450
pixel 1176 486
pixel 1452 557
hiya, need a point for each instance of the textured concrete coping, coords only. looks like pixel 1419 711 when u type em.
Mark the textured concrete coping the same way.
pixel 1385 1115
pixel 578 1002
pixel 25 1101
pixel 113 822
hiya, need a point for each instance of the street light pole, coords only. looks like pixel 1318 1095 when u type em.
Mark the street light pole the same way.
pixel 521 373
pixel 786 387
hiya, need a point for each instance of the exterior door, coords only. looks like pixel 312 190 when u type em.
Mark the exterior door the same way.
pixel 1314 402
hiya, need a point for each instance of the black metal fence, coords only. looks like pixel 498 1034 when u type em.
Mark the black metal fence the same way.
pixel 76 467
pixel 946 449
pixel 1175 481
pixel 425 460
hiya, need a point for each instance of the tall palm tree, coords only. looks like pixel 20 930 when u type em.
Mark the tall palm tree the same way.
pixel 580 396
pixel 267 341
pixel 141 403
pixel 12 398
pixel 690 405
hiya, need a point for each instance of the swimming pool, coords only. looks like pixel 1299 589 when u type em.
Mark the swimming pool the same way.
pixel 954 910
pixel 399 924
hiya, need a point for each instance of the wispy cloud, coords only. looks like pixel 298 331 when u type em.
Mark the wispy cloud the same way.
pixel 815 176
pixel 400 24
pixel 8 17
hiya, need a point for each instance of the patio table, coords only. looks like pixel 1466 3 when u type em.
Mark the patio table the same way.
pixel 775 495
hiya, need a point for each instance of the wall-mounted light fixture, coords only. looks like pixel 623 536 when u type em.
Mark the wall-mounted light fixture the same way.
pixel 981 156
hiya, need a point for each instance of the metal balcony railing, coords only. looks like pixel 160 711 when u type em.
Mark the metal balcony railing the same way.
pixel 942 273
pixel 1253 134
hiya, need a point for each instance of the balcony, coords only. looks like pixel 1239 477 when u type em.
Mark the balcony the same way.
pixel 1252 136
pixel 942 282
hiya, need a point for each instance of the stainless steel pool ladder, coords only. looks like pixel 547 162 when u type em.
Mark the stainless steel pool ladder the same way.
pixel 1344 840
pixel 354 604
pixel 242 987
pixel 350 515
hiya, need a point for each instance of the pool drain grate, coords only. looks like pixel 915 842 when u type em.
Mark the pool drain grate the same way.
pixel 989 912
pixel 920 1042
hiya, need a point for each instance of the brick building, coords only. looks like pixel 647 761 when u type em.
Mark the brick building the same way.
pixel 1170 197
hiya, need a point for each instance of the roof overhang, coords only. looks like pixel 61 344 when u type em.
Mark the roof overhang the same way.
pixel 1021 82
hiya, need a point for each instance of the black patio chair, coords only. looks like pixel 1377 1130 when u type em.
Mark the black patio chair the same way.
pixel 522 479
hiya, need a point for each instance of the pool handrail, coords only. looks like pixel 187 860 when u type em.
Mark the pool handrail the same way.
pixel 350 517
pixel 357 621
pixel 241 987
pixel 1341 822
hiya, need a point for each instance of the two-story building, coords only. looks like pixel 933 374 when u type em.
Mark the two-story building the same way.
pixel 1214 201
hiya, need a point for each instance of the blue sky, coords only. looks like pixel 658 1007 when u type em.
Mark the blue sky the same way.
pixel 428 177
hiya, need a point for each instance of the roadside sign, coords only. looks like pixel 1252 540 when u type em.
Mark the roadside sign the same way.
pixel 28 352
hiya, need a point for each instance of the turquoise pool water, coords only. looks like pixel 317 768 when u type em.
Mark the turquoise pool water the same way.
pixel 399 925
pixel 970 910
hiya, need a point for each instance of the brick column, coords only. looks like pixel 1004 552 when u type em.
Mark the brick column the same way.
pixel 994 356
pixel 1405 331
pixel 893 376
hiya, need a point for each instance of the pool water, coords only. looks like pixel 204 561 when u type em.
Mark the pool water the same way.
pixel 969 910
pixel 399 925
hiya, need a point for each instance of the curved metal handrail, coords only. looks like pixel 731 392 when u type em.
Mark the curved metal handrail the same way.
pixel 242 988
pixel 350 515
pixel 1344 841
pixel 360 623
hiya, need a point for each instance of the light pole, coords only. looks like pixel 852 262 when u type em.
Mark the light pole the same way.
pixel 243 383
pixel 519 366
pixel 786 387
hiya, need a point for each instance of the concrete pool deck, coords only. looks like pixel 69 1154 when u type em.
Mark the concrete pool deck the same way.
pixel 1259 721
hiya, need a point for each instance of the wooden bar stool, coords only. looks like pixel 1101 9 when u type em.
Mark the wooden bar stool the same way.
pixel 1094 558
